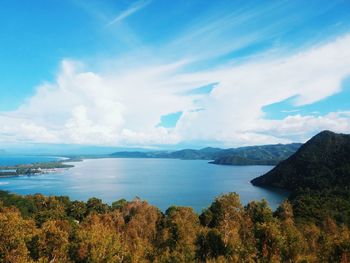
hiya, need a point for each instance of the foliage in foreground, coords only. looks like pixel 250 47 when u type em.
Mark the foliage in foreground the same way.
pixel 36 228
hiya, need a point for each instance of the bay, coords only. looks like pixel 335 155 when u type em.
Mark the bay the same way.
pixel 25 159
pixel 161 182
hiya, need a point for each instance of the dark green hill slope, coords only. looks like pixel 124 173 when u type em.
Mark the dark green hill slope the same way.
pixel 321 162
pixel 259 155
pixel 318 176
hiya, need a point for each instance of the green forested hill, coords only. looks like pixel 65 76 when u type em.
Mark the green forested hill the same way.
pixel 185 154
pixel 322 162
pixel 257 155
pixel 250 155
pixel 318 176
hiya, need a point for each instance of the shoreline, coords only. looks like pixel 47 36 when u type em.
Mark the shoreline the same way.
pixel 65 163
pixel 8 171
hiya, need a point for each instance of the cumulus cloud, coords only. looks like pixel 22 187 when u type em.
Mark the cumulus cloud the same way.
pixel 234 106
pixel 83 107
pixel 124 106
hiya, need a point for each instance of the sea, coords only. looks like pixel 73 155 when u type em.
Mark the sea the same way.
pixel 25 159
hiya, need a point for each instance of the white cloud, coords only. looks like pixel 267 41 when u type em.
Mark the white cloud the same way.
pixel 302 127
pixel 234 106
pixel 89 108
pixel 123 107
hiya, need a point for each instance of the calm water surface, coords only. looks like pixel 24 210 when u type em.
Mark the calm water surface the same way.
pixel 25 159
pixel 162 182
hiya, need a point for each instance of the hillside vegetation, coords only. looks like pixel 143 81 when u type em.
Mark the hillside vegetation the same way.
pixel 318 175
pixel 257 155
pixel 251 155
pixel 37 228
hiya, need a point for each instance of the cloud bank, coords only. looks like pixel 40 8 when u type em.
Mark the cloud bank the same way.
pixel 123 107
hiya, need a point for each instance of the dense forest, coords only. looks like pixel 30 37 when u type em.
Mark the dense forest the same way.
pixel 36 228
pixel 318 176
pixel 257 155
pixel 321 162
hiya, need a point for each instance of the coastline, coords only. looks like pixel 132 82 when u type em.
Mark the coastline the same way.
pixel 7 171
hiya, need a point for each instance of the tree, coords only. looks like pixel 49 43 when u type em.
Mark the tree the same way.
pixel 294 246
pixel 178 235
pixel 95 205
pixel 77 210
pixel 227 215
pixel 334 242
pixel 210 245
pixel 15 232
pixel 141 229
pixel 267 231
pixel 53 241
pixel 97 241
pixel 269 241
pixel 48 208
pixel 118 205
pixel 259 211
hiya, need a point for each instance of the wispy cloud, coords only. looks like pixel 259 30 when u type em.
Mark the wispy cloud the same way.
pixel 290 111
pixel 130 11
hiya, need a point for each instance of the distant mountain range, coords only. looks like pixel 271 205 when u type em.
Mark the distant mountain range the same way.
pixel 251 155
pixel 186 154
pixel 322 161
pixel 258 155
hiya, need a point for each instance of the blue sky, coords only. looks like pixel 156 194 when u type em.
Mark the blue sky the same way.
pixel 335 103
pixel 172 72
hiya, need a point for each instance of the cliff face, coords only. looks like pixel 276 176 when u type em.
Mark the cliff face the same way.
pixel 322 162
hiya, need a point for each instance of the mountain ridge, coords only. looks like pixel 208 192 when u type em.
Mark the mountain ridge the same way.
pixel 249 155
pixel 270 154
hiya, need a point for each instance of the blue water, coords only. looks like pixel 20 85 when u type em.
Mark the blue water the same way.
pixel 162 182
pixel 25 159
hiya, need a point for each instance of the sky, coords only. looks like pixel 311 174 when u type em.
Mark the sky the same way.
pixel 162 74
